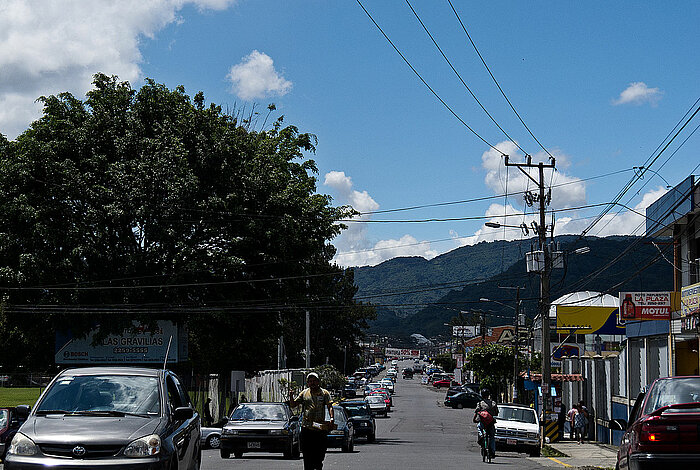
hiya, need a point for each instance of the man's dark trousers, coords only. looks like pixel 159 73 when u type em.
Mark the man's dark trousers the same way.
pixel 313 446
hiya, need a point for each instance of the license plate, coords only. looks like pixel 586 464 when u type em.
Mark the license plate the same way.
pixel 253 445
pixel 511 442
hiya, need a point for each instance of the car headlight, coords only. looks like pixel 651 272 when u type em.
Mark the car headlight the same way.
pixel 532 435
pixel 144 447
pixel 278 432
pixel 22 445
pixel 338 432
pixel 229 431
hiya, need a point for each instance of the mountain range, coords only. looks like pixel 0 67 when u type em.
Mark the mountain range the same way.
pixel 415 295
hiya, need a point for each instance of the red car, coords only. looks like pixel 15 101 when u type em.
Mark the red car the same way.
pixel 444 383
pixel 664 427
pixel 385 394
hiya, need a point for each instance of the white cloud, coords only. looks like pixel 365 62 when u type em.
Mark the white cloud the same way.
pixel 256 77
pixel 354 246
pixel 638 93
pixel 568 191
pixel 384 250
pixel 619 221
pixel 56 46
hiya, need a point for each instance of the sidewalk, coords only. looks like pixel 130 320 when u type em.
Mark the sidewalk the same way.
pixel 587 455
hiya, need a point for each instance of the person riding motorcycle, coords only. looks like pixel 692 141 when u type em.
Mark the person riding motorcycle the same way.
pixel 485 415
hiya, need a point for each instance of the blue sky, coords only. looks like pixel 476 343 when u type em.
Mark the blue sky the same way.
pixel 600 84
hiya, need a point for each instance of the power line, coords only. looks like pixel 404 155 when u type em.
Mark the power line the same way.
pixel 424 82
pixel 636 177
pixel 496 81
pixel 460 77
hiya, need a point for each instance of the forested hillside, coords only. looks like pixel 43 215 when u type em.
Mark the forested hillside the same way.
pixel 407 284
pixel 641 268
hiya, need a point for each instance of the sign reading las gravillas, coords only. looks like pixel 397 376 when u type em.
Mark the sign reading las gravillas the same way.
pixel 134 345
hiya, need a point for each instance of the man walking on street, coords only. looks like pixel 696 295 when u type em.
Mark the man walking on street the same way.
pixel 314 401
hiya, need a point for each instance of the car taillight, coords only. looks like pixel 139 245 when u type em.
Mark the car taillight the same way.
pixel 658 432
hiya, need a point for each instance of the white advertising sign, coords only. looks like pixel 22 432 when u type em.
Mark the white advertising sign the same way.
pixel 396 352
pixel 137 344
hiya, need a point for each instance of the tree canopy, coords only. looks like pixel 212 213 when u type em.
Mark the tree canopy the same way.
pixel 493 365
pixel 147 204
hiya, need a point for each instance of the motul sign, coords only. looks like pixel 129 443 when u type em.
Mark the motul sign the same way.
pixel 645 305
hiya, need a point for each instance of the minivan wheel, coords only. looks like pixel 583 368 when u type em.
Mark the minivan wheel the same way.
pixel 460 406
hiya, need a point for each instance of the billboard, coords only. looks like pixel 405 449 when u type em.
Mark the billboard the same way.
pixel 565 351
pixel 134 345
pixel 645 305
pixel 690 300
pixel 584 320
pixel 464 331
pixel 396 352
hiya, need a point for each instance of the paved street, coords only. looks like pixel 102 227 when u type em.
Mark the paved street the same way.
pixel 419 433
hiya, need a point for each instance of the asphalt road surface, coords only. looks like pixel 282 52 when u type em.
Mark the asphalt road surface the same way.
pixel 419 433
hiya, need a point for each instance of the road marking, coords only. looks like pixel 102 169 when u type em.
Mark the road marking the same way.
pixel 559 461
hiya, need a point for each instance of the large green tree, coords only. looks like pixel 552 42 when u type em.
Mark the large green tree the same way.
pixel 493 366
pixel 147 204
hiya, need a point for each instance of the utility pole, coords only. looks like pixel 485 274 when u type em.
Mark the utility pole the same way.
pixel 308 340
pixel 515 351
pixel 483 328
pixel 543 200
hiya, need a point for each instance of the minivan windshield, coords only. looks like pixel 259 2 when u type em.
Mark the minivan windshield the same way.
pixel 521 415
pixel 128 394
pixel 672 391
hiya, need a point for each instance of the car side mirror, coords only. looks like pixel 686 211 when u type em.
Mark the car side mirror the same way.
pixel 182 413
pixel 23 411
pixel 618 425
pixel 224 420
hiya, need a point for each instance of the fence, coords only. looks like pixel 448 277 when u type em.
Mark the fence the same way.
pixel 611 384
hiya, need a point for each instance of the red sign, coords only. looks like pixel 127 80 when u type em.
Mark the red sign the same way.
pixel 645 305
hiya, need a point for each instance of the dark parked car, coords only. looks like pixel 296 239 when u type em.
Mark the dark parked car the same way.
pixel 664 427
pixel 361 416
pixel 343 435
pixel 463 400
pixel 261 427
pixel 9 424
pixel 109 418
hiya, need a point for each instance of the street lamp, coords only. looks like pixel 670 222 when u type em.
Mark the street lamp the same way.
pixel 522 226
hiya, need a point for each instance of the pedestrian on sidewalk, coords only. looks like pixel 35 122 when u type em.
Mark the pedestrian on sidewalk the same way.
pixel 570 416
pixel 314 401
pixel 584 410
pixel 207 413
pixel 580 423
